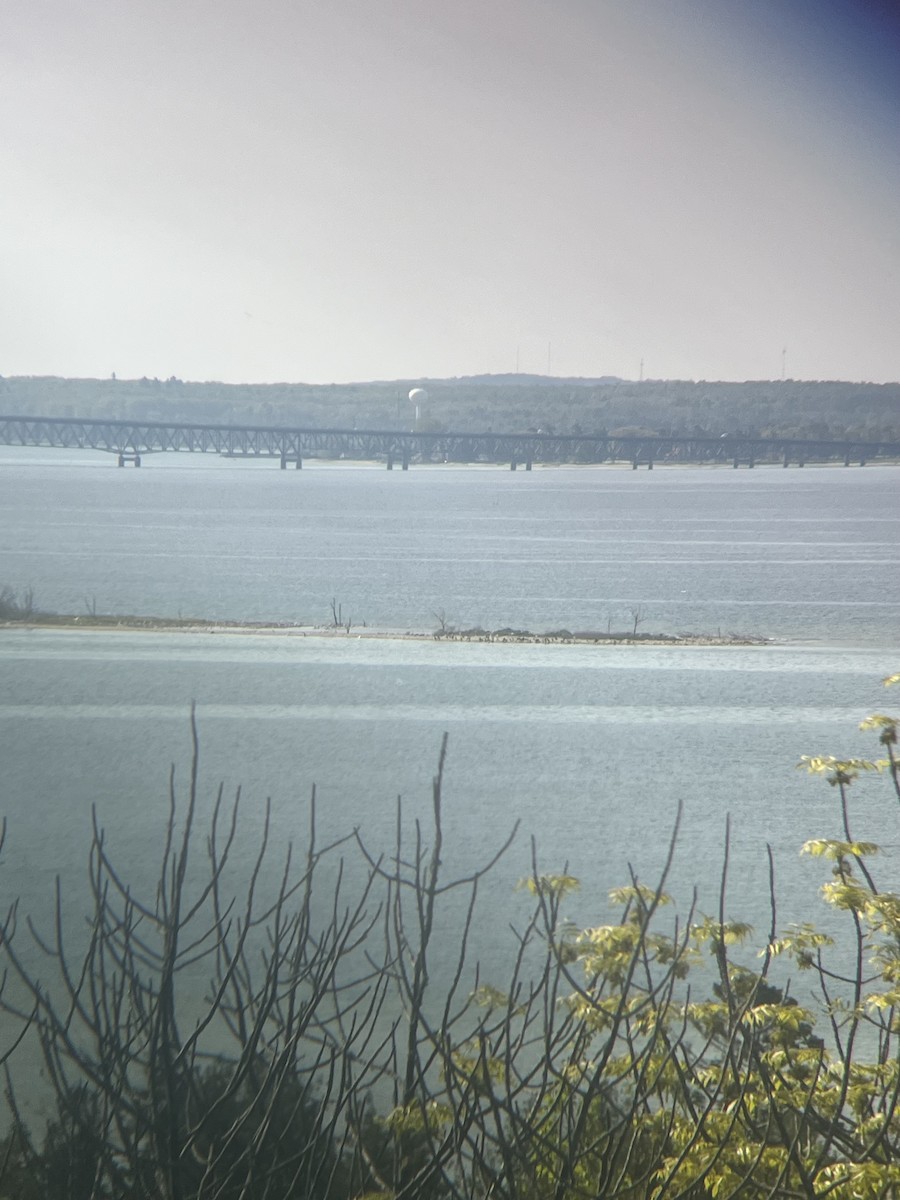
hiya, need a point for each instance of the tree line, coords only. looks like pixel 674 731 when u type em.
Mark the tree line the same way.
pixel 790 408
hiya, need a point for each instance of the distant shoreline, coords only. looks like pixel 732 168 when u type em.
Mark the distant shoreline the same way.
pixel 136 624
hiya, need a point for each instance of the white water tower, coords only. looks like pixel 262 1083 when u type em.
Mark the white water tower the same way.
pixel 417 396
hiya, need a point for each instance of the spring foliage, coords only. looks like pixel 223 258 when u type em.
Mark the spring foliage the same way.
pixel 655 1055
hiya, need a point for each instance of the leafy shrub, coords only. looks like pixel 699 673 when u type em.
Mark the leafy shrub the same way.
pixel 635 1059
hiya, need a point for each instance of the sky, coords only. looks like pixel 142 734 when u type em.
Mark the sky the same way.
pixel 333 190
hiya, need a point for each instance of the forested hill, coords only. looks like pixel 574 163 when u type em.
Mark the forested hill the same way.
pixel 507 403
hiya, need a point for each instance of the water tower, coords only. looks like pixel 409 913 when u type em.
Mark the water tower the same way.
pixel 417 396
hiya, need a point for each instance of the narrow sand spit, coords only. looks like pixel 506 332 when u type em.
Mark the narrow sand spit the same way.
pixel 132 624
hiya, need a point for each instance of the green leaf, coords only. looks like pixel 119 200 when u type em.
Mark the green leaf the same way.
pixel 835 850
pixel 549 885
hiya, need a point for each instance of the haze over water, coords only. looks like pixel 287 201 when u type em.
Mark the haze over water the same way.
pixel 591 748
pixel 803 554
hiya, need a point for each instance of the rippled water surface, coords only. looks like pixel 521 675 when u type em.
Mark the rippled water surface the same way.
pixel 590 749
pixel 812 553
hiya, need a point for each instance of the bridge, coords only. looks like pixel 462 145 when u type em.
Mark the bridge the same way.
pixel 130 441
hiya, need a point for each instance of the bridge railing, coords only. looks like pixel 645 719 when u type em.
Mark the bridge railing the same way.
pixel 135 438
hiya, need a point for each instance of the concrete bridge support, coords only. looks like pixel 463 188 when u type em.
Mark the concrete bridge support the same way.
pixel 129 441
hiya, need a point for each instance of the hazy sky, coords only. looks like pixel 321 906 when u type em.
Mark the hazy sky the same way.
pixel 327 190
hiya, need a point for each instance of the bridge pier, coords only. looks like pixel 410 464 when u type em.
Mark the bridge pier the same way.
pixel 268 441
pixel 528 464
pixel 513 464
pixel 296 459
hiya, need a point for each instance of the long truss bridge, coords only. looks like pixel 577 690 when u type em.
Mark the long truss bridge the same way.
pixel 130 441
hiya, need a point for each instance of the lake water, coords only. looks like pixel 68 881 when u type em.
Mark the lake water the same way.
pixel 590 748
pixel 809 554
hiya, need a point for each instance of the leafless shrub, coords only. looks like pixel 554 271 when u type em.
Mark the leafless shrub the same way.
pixel 15 606
pixel 321 1060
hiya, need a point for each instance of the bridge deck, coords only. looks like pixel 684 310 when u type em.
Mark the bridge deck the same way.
pixel 129 440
